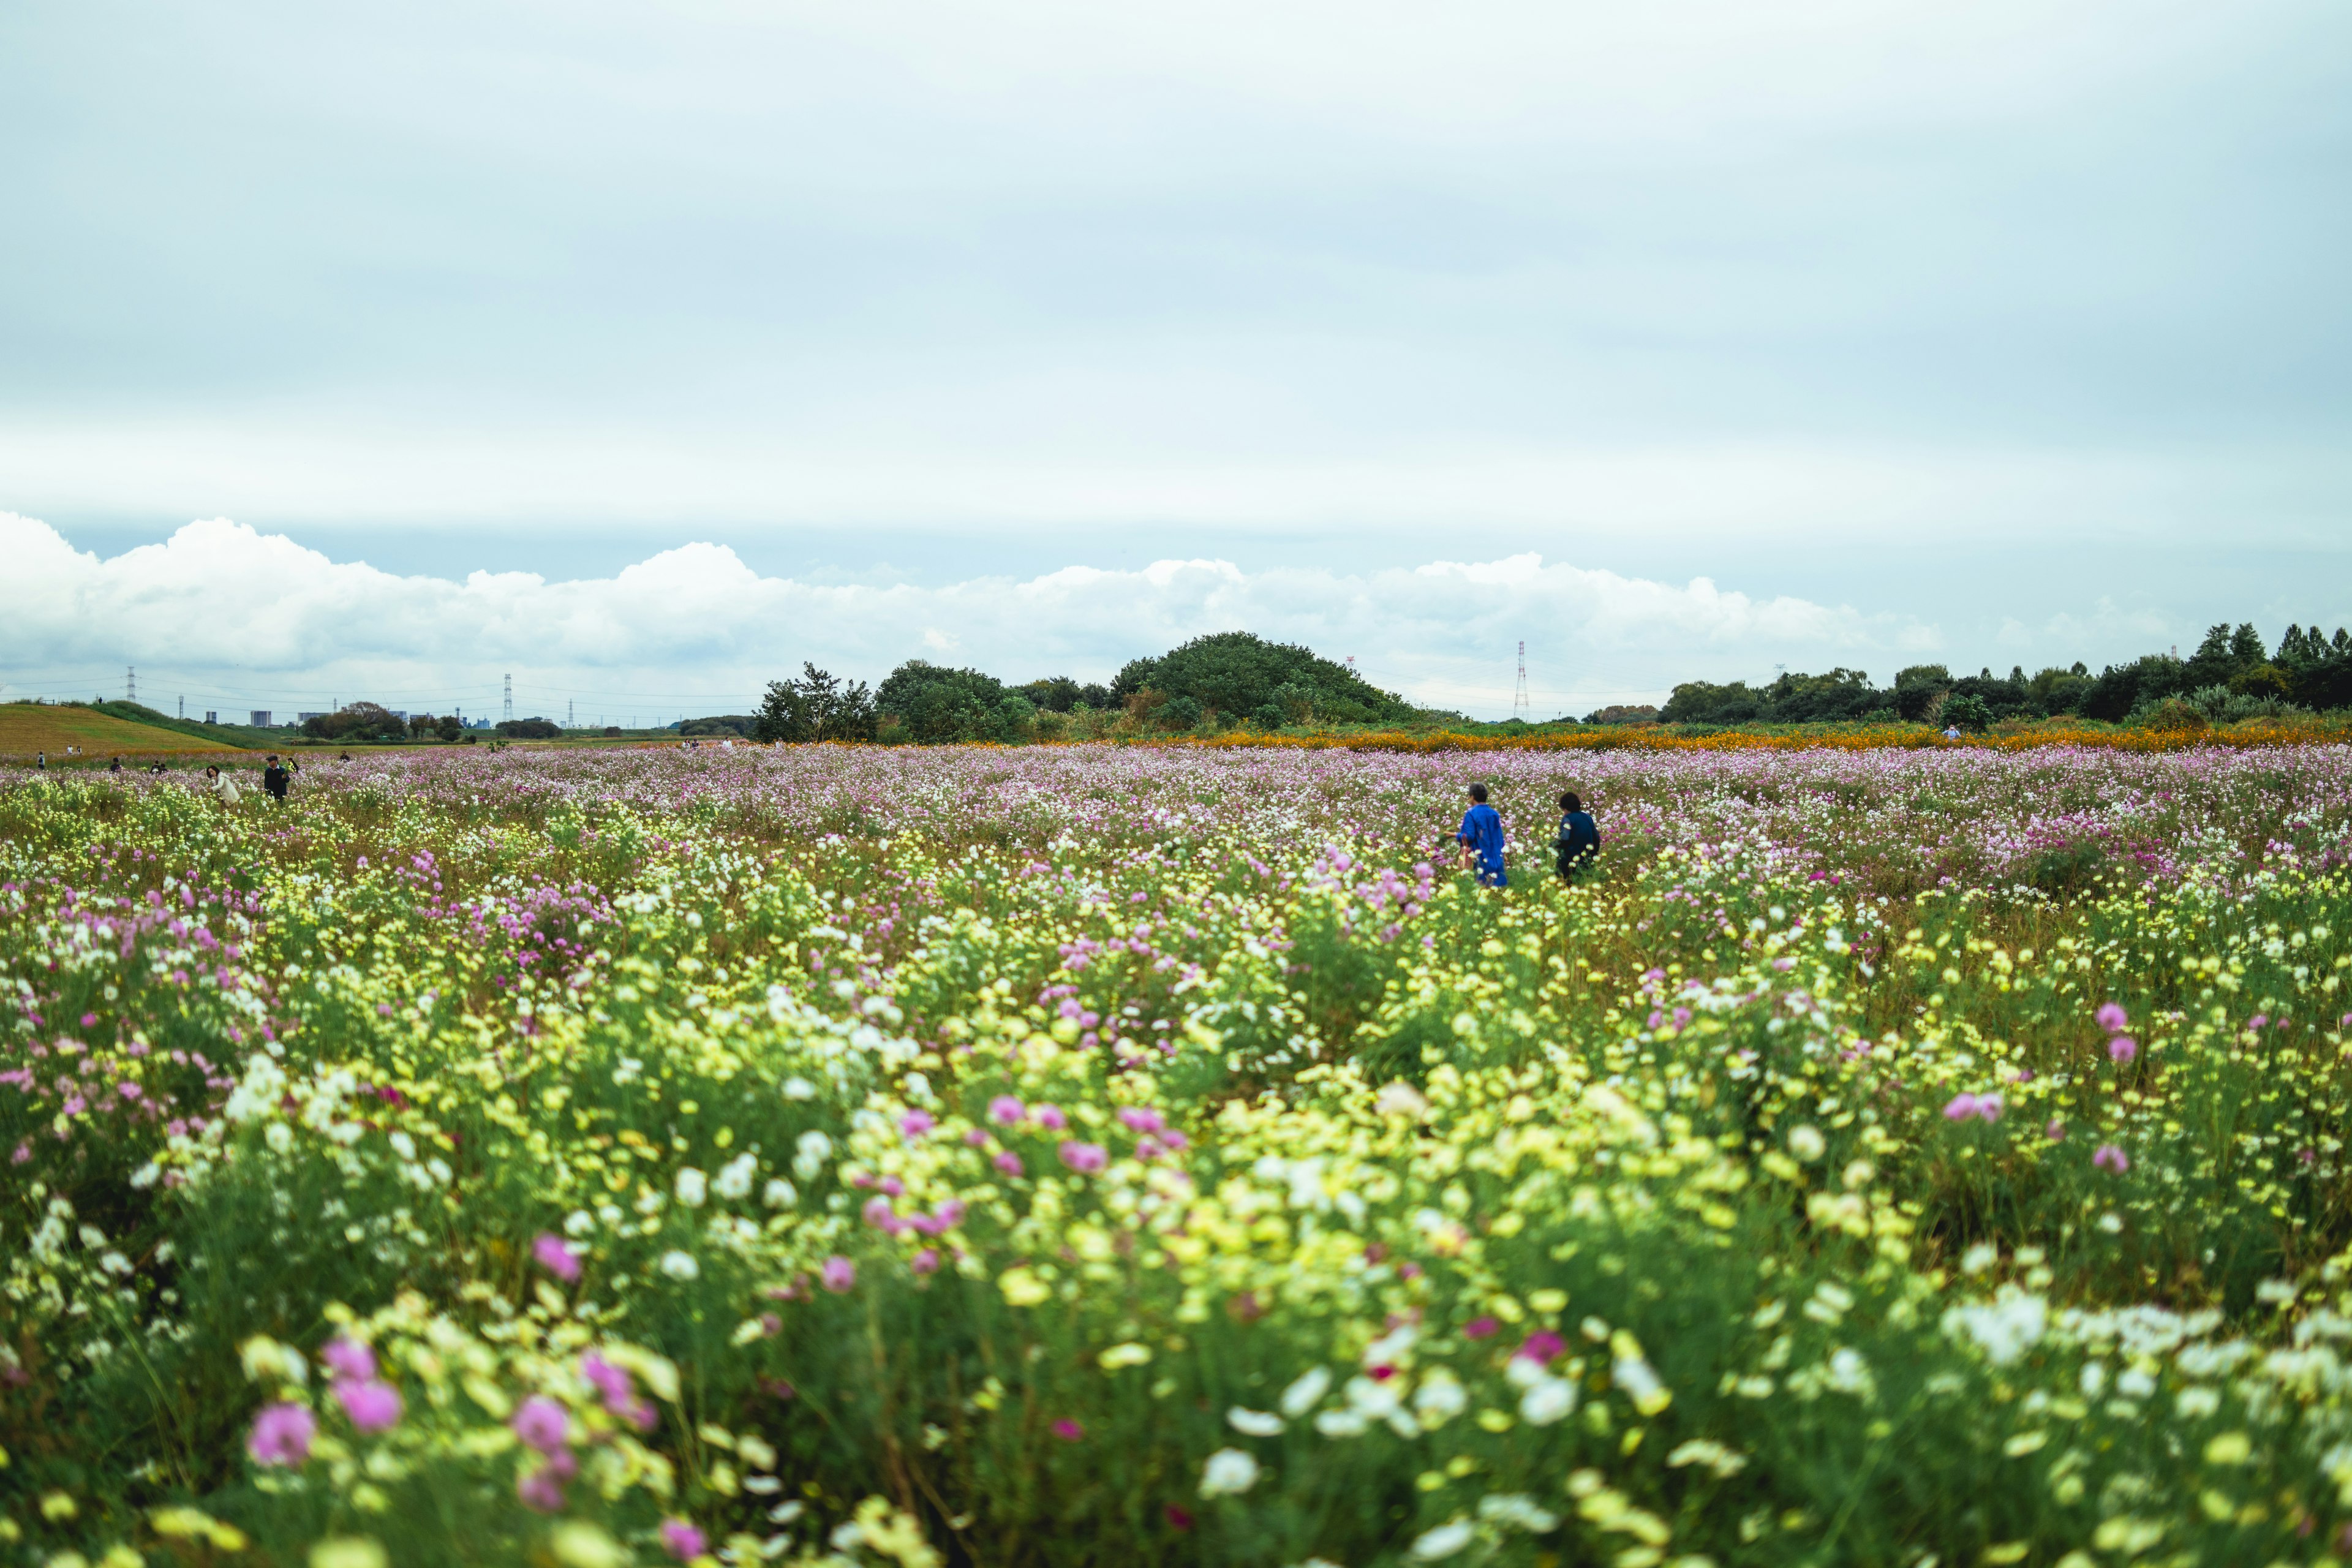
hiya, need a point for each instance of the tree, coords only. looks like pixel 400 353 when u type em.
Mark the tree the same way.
pixel 933 705
pixel 1236 673
pixel 819 706
pixel 1054 693
pixel 532 729
pixel 1967 711
pixel 357 721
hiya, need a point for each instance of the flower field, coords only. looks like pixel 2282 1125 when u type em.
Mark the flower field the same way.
pixel 1121 1155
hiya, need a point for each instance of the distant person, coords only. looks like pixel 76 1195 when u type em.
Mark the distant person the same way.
pixel 116 766
pixel 275 779
pixel 345 758
pixel 1579 840
pixel 41 761
pixel 223 786
pixel 1481 835
pixel 1951 731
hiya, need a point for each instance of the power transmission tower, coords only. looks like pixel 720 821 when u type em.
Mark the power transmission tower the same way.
pixel 569 722
pixel 1519 697
pixel 510 712
pixel 131 684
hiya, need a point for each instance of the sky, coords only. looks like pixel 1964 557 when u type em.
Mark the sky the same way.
pixel 641 352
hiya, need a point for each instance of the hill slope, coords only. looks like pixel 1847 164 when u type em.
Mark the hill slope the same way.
pixel 26 728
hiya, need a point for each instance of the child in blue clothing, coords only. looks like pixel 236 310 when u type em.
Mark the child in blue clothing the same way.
pixel 1578 843
pixel 1482 836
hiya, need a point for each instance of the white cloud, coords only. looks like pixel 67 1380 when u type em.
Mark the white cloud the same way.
pixel 267 622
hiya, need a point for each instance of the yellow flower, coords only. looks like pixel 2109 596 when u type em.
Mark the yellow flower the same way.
pixel 1022 1287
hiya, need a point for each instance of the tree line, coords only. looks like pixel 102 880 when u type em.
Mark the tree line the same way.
pixel 1222 680
pixel 2230 677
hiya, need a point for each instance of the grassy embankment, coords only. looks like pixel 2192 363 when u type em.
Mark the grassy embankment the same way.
pixel 26 728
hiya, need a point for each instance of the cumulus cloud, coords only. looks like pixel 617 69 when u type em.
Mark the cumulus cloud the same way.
pixel 246 614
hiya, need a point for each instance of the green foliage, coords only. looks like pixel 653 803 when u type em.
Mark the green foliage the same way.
pixel 934 705
pixel 1236 675
pixel 1967 711
pixel 819 706
pixel 530 729
pixel 357 721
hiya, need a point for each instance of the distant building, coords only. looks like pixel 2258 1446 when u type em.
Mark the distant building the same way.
pixel 259 719
pixel 306 717
pixel 212 715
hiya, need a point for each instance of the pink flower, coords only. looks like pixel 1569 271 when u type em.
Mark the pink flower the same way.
pixel 541 1422
pixel 371 1407
pixel 1009 1162
pixel 1142 1118
pixel 2107 1157
pixel 1084 1158
pixel 281 1435
pixel 1004 1110
pixel 1480 1328
pixel 2112 1018
pixel 681 1540
pixel 541 1490
pixel 2122 1049
pixel 839 1275
pixel 1542 1347
pixel 608 1380
pixel 551 1254
pixel 1068 1431
pixel 879 1213
pixel 349 1357
pixel 915 1123
pixel 1962 1106
pixel 926 1261
pixel 1050 1118
pixel 2055 1131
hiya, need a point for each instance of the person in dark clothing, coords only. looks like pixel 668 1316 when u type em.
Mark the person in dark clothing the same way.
pixel 1482 834
pixel 275 779
pixel 1579 840
pixel 116 766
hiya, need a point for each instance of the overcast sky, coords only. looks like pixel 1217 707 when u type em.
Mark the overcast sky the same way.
pixel 645 350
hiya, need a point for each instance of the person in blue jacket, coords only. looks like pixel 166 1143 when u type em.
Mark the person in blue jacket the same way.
pixel 1482 836
pixel 1579 841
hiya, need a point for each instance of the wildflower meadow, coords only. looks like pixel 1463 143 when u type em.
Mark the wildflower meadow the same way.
pixel 1099 1156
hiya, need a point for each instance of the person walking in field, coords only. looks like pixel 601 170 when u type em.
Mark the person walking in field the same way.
pixel 1578 843
pixel 275 779
pixel 1481 836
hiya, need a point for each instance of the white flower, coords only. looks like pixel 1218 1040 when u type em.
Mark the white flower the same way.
pixel 1400 1098
pixel 1342 1423
pixel 1444 1541
pixel 799 1088
pixel 2005 1328
pixel 814 1149
pixel 1805 1141
pixel 1229 1470
pixel 1306 1392
pixel 780 1193
pixel 1440 1398
pixel 734 1179
pixel 679 1265
pixel 1980 1258
pixel 279 1137
pixel 1519 1508
pixel 693 1187
pixel 1551 1400
pixel 1253 1423
pixel 579 1221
